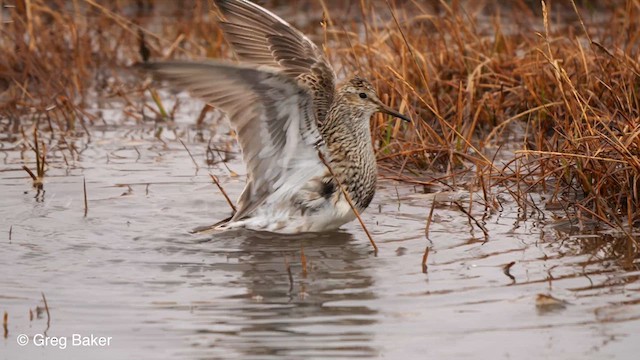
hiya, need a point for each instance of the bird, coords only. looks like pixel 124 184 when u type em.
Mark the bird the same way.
pixel 306 142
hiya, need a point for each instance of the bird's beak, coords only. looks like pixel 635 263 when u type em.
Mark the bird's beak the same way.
pixel 387 110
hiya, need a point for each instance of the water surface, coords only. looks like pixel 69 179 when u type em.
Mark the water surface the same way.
pixel 130 269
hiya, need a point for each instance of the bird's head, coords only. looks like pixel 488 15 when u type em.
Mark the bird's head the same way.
pixel 361 95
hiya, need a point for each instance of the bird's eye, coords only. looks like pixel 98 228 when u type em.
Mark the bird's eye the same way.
pixel 363 96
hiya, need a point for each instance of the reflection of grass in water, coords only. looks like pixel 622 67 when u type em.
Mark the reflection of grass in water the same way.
pixel 474 76
pixel 40 151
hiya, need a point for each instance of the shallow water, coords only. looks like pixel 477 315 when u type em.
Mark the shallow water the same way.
pixel 132 271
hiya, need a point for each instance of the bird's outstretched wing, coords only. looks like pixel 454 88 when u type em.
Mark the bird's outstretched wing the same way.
pixel 260 37
pixel 273 117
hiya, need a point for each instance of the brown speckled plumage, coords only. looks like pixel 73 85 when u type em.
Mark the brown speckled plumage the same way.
pixel 284 105
pixel 348 137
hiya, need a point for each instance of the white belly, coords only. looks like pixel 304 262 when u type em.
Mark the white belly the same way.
pixel 290 221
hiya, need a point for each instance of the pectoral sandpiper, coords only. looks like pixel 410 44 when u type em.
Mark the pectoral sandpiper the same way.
pixel 283 102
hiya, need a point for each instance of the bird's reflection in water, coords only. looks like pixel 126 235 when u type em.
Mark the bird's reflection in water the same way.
pixel 321 313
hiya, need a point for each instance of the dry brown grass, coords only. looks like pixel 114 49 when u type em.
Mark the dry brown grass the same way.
pixel 531 99
pixel 561 84
pixel 61 57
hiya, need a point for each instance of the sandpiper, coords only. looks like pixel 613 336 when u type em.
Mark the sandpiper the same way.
pixel 283 102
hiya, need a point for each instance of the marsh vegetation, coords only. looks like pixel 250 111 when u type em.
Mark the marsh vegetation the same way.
pixel 519 175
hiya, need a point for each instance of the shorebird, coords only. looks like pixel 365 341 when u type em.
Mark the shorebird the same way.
pixel 283 102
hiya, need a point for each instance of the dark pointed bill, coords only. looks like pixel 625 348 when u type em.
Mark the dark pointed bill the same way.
pixel 387 110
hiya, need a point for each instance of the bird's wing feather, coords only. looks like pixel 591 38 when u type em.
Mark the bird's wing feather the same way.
pixel 273 118
pixel 260 37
